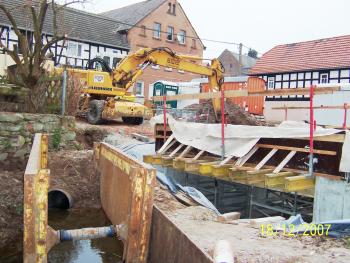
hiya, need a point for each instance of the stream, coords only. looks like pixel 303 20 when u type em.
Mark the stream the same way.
pixel 102 250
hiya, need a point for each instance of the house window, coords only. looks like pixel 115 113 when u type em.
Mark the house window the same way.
pixel 156 30
pixel 170 33
pixel 174 9
pixel 270 83
pixel 74 49
pixel 324 78
pixel 139 88
pixel 143 31
pixel 181 36
pixel 107 59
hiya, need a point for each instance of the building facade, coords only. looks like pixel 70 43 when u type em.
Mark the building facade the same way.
pixel 158 23
pixel 88 36
pixel 236 64
pixel 300 65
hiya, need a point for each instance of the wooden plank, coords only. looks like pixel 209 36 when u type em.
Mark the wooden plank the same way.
pixel 226 160
pixel 245 93
pixel 246 157
pixel 198 155
pixel 272 180
pixel 166 146
pixel 221 170
pixel 284 162
pixel 261 171
pixel 176 150
pixel 328 138
pixel 342 107
pixel 289 148
pixel 187 149
pixel 203 96
pixel 266 159
pixel 206 168
pixel 297 183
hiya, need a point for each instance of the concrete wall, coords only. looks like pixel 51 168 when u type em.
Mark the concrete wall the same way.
pixel 332 200
pixel 17 131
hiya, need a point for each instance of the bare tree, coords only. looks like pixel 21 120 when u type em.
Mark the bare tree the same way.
pixel 29 56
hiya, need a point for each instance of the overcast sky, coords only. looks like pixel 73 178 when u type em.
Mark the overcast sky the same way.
pixel 260 24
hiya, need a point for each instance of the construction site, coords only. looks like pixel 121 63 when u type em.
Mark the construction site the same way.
pixel 211 164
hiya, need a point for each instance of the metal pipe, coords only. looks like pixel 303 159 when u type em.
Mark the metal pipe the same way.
pixel 86 233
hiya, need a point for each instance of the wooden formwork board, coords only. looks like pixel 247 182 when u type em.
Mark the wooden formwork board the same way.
pixel 126 191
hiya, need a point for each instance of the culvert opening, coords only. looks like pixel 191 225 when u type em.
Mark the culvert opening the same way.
pixel 59 199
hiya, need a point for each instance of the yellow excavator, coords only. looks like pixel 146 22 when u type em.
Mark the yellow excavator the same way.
pixel 105 93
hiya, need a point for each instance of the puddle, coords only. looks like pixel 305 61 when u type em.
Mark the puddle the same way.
pixel 102 250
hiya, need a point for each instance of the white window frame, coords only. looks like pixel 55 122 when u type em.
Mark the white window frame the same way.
pixel 142 88
pixel 270 82
pixel 182 37
pixel 156 30
pixel 73 49
pixel 170 30
pixel 321 78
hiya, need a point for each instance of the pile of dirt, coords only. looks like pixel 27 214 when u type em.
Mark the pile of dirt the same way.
pixel 74 172
pixel 234 114
pixel 11 210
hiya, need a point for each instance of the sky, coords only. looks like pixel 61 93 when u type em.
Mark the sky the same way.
pixel 258 24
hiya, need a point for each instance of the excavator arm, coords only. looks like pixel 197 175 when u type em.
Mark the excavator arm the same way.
pixel 133 65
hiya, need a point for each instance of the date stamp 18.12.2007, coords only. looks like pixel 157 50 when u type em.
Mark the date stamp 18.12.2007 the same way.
pixel 295 230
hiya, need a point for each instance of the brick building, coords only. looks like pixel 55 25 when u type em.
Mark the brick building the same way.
pixel 158 23
pixel 236 64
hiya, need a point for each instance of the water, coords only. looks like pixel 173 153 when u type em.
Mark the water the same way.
pixel 102 250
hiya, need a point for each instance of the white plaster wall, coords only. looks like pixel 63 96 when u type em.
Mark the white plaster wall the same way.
pixel 279 115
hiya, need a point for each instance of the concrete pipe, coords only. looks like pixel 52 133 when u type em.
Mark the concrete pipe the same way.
pixel 60 199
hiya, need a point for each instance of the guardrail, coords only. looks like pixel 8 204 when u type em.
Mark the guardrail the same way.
pixel 126 191
pixel 36 184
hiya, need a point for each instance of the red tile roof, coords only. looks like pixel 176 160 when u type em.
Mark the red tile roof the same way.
pixel 327 53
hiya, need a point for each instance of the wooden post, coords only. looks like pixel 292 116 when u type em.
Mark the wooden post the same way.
pixel 222 124
pixel 164 116
pixel 345 115
pixel 312 128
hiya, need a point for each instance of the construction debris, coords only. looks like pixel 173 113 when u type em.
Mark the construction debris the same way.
pixel 234 114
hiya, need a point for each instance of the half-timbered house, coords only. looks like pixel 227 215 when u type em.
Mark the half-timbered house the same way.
pixel 300 65
pixel 88 35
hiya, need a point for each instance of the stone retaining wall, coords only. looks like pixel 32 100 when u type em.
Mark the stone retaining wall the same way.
pixel 17 132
